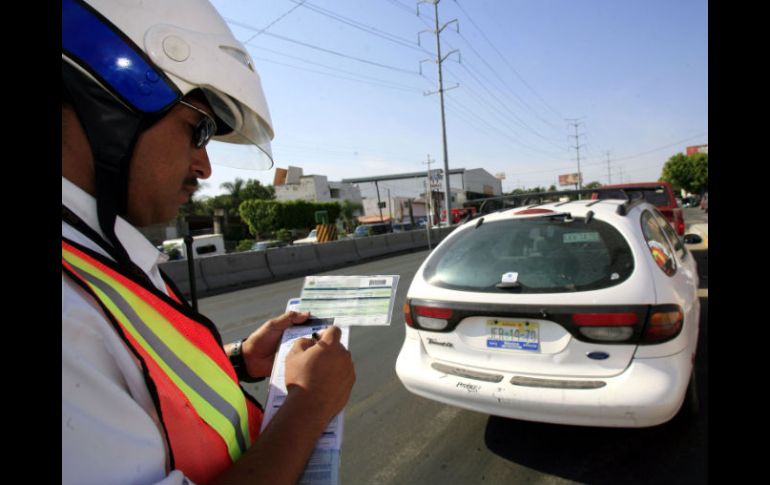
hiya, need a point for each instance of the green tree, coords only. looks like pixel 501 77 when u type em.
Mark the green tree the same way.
pixel 347 208
pixel 592 185
pixel 688 172
pixel 234 196
pixel 265 216
pixel 253 189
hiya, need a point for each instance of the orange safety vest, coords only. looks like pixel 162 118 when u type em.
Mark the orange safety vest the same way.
pixel 208 419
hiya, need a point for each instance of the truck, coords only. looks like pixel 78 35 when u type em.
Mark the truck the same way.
pixel 203 246
pixel 458 214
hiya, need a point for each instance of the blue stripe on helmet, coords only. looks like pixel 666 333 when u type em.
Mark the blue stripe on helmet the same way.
pixel 114 59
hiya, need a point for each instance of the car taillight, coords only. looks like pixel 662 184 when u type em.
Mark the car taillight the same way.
pixel 665 323
pixel 606 327
pixel 679 226
pixel 408 315
pixel 432 318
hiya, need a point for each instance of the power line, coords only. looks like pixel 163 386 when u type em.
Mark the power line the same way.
pixel 504 106
pixel 402 6
pixel 360 25
pixel 519 120
pixel 366 79
pixel 273 23
pixel 322 49
pixel 661 148
pixel 374 83
pixel 506 89
pixel 508 64
pixel 517 141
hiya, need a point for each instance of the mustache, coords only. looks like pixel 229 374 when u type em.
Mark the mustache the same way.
pixel 191 182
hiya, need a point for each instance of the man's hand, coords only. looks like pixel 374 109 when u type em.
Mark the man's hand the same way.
pixel 260 347
pixel 321 372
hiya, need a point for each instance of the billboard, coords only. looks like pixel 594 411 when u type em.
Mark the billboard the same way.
pixel 697 149
pixel 569 179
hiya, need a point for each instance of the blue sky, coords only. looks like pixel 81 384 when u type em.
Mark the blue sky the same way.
pixel 348 100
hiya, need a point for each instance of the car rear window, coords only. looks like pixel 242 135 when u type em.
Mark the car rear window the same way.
pixel 542 255
pixel 655 196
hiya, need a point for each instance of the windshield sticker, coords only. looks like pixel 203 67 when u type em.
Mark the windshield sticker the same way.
pixel 580 237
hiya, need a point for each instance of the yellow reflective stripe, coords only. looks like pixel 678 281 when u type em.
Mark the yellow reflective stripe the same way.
pixel 185 351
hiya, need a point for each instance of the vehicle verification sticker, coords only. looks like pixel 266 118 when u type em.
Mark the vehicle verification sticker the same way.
pixel 580 237
pixel 506 334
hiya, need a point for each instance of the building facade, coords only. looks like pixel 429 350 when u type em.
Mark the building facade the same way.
pixel 389 191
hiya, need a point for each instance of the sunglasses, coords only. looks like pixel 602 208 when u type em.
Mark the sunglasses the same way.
pixel 205 129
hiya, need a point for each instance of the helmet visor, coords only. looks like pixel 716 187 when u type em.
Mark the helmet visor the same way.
pixel 245 137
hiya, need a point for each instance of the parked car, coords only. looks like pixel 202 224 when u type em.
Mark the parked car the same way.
pixel 573 313
pixel 402 227
pixel 365 230
pixel 265 245
pixel 203 246
pixel 659 194
pixel 311 238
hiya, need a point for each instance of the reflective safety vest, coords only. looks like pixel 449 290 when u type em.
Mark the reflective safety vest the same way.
pixel 209 421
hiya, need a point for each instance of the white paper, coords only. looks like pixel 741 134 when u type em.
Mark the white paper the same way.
pixel 323 466
pixel 350 300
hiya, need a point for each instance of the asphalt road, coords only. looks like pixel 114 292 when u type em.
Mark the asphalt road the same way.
pixel 394 437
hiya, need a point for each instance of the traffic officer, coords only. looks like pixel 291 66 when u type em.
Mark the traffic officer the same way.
pixel 149 392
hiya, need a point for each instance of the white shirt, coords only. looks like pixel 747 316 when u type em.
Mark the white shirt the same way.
pixel 110 428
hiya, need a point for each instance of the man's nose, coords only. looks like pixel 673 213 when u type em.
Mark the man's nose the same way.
pixel 201 165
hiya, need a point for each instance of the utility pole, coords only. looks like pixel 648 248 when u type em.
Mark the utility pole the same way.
pixel 428 187
pixel 609 172
pixel 379 203
pixel 439 61
pixel 576 122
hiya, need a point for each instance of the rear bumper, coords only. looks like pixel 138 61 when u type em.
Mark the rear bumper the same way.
pixel 649 392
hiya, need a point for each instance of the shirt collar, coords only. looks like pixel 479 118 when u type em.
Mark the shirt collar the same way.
pixel 83 204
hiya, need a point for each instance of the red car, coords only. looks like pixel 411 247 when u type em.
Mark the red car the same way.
pixel 659 194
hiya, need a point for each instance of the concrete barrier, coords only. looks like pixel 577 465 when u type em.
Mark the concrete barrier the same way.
pixel 293 260
pixel 177 271
pixel 236 269
pixel 419 239
pixel 217 273
pixel 337 253
pixel 400 241
pixel 372 246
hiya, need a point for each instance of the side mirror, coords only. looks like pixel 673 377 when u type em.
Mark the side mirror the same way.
pixel 692 239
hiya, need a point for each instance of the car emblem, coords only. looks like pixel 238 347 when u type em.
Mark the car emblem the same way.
pixel 598 355
pixel 439 342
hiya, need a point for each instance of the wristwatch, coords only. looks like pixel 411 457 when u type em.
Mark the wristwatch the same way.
pixel 239 364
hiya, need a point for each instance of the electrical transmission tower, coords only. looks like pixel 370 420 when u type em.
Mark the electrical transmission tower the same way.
pixel 575 122
pixel 439 61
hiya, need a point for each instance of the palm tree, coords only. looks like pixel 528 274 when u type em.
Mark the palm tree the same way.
pixel 347 208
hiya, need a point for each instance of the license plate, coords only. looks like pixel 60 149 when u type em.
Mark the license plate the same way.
pixel 507 334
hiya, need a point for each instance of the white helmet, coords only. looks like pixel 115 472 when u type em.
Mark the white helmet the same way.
pixel 151 53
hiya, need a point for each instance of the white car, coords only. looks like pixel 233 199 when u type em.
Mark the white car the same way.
pixel 311 238
pixel 579 313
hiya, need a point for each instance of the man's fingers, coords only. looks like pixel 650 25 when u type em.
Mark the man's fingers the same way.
pixel 298 317
pixel 287 319
pixel 331 335
pixel 301 345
